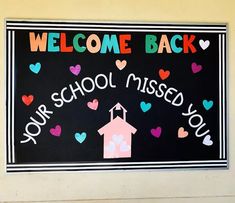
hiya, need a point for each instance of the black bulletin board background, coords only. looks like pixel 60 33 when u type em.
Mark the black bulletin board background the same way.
pixel 77 117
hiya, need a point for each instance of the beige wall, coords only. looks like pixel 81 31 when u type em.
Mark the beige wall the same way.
pixel 160 186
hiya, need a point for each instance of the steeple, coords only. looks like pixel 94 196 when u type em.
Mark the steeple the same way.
pixel 118 106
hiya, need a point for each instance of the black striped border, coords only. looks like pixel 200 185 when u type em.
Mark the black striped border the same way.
pixel 13 25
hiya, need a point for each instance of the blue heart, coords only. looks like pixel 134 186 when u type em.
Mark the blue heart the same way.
pixel 80 137
pixel 145 106
pixel 35 68
pixel 207 104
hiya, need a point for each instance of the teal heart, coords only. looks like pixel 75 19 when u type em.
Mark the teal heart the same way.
pixel 145 106
pixel 35 68
pixel 80 137
pixel 207 104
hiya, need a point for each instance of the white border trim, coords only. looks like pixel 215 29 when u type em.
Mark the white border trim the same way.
pixel 113 26
pixel 220 103
pixel 34 20
pixel 115 167
pixel 9 91
pixel 224 99
pixel 13 99
pixel 118 163
pixel 115 30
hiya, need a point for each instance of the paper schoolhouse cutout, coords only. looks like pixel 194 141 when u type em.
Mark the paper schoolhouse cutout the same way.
pixel 117 135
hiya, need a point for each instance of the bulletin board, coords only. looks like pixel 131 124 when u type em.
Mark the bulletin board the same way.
pixel 91 96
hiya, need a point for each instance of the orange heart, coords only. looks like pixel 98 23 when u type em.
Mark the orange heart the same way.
pixel 121 64
pixel 164 74
pixel 182 133
pixel 27 99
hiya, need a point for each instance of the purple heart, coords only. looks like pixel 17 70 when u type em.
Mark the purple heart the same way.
pixel 75 69
pixel 156 132
pixel 196 68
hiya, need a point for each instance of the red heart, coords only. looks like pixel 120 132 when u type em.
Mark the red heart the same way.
pixel 164 74
pixel 27 99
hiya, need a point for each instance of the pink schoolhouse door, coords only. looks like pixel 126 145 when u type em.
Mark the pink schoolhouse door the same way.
pixel 117 135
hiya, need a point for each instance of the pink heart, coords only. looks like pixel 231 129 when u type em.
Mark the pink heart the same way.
pixel 75 69
pixel 94 104
pixel 156 132
pixel 196 68
pixel 56 131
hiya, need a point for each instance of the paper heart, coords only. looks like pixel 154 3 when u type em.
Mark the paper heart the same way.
pixel 156 132
pixel 196 68
pixel 117 138
pixel 111 147
pixel 94 104
pixel 204 44
pixel 27 100
pixel 207 104
pixel 207 141
pixel 145 106
pixel 164 74
pixel 80 137
pixel 124 147
pixel 35 68
pixel 182 133
pixel 121 64
pixel 56 131
pixel 75 69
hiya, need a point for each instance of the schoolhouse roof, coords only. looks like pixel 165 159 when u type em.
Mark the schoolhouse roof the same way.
pixel 118 106
pixel 117 124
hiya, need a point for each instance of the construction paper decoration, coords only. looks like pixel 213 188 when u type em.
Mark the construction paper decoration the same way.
pixel 56 131
pixel 94 104
pixel 182 133
pixel 121 64
pixel 75 69
pixel 156 132
pixel 207 104
pixel 27 100
pixel 164 74
pixel 35 68
pixel 80 137
pixel 145 106
pixel 117 135
pixel 204 44
pixel 207 141
pixel 196 68
pixel 91 96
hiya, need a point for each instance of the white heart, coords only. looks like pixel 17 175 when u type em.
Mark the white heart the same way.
pixel 204 44
pixel 124 147
pixel 207 141
pixel 117 138
pixel 110 147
